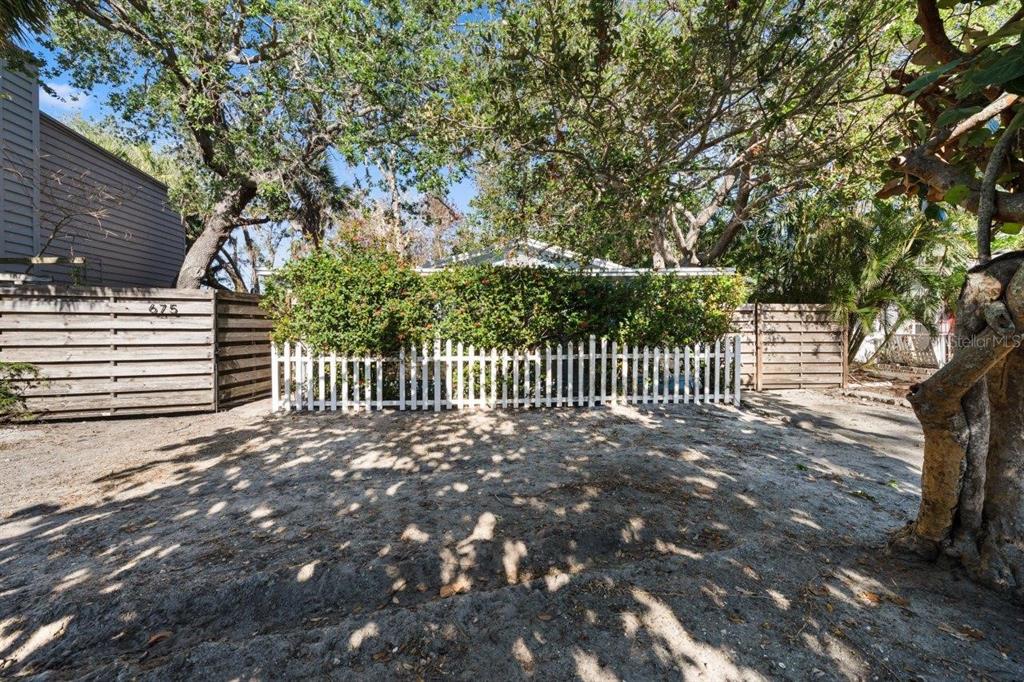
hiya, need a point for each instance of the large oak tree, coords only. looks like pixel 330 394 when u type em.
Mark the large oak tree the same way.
pixel 257 93
pixel 631 129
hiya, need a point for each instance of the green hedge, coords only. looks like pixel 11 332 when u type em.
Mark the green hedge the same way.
pixel 362 301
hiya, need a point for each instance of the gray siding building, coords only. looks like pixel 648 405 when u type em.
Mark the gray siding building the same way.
pixel 62 195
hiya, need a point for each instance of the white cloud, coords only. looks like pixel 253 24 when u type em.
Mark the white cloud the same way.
pixel 65 99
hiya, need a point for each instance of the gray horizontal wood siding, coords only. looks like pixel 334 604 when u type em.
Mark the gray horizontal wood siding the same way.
pixel 94 205
pixel 19 139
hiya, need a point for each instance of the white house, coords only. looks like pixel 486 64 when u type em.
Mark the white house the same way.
pixel 535 253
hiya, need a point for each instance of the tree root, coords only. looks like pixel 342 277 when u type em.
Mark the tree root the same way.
pixel 907 543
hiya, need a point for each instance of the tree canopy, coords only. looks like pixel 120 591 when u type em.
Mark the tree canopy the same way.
pixel 631 129
pixel 259 94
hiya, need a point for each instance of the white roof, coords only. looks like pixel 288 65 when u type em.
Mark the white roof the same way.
pixel 533 252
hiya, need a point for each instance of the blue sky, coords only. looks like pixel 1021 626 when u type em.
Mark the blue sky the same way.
pixel 68 101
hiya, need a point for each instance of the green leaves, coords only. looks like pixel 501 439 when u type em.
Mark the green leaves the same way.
pixel 256 93
pixel 927 79
pixel 956 194
pixel 362 301
pixel 951 116
pixel 995 68
pixel 596 119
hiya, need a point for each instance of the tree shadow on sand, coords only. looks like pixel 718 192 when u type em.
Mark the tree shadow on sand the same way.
pixel 624 543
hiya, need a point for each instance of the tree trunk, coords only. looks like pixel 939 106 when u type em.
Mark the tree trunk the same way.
pixel 224 218
pixel 972 414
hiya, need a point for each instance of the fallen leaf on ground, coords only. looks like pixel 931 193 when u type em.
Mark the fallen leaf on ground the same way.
pixel 897 600
pixel 863 495
pixel 973 633
pixel 457 586
pixel 158 637
pixel 544 616
pixel 964 632
pixel 870 597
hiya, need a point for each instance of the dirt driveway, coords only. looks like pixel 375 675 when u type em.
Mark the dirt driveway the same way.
pixel 639 544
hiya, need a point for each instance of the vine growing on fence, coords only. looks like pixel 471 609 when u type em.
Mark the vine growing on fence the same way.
pixel 357 300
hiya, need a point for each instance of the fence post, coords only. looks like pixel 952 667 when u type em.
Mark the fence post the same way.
pixel 309 379
pixel 334 381
pixel 401 378
pixel 287 393
pixel 448 371
pixel 559 373
pixel 738 369
pixel 459 375
pixel 298 381
pixel 675 374
pixel 570 391
pixel 273 377
pixel 412 377
pixel 758 349
pixel 369 388
pixel 718 369
pixel 656 374
pixel 707 373
pixel 437 374
pixel 549 401
pixel 515 378
pixel 494 378
pixel 538 384
pixel 504 378
pixel 526 380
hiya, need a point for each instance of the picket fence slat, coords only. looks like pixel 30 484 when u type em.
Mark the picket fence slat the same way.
pixel 445 376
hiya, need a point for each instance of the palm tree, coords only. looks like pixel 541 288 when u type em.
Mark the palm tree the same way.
pixel 864 263
pixel 17 17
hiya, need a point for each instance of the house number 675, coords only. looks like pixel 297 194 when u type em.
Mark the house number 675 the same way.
pixel 163 309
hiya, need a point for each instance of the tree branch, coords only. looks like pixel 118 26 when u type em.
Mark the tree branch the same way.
pixel 986 195
pixel 987 114
pixel 930 21
pixel 937 173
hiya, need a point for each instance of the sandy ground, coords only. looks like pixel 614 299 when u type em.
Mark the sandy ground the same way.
pixel 642 544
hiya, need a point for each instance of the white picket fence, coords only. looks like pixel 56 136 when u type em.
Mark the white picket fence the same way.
pixel 450 376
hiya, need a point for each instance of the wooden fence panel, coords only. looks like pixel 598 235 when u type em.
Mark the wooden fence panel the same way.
pixel 111 351
pixel 791 346
pixel 243 349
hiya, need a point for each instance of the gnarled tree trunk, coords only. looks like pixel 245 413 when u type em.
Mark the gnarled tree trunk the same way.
pixel 225 216
pixel 972 414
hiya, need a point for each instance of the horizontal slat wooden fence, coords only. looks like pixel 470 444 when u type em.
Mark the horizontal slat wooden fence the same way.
pixel 452 376
pixel 130 351
pixel 797 346
pixel 243 349
pixel 107 351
